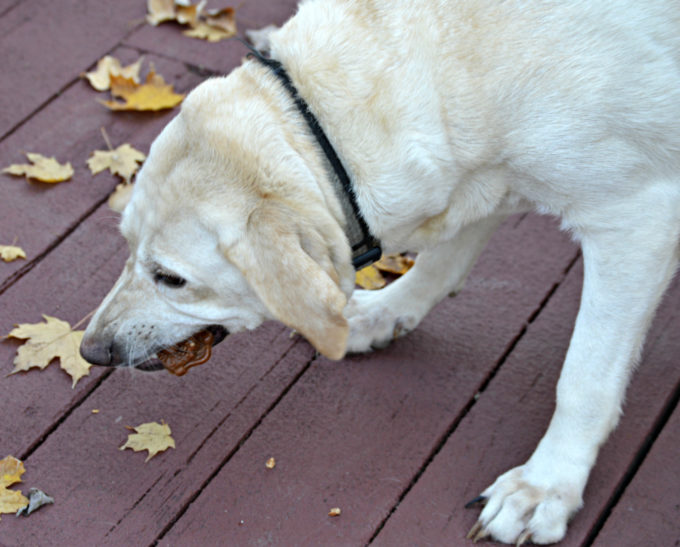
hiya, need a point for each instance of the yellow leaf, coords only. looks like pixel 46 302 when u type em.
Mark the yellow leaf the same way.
pixel 11 500
pixel 48 341
pixel 154 94
pixel 395 264
pixel 10 252
pixel 122 161
pixel 43 169
pixel 224 19
pixel 207 32
pixel 181 11
pixel 100 77
pixel 151 436
pixel 122 86
pixel 370 278
pixel 187 14
pixel 212 25
pixel 160 11
pixel 11 470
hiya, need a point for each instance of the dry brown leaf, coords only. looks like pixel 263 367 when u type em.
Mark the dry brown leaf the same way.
pixel 11 470
pixel 334 512
pixel 48 341
pixel 395 264
pixel 370 278
pixel 36 499
pixel 270 463
pixel 122 161
pixel 43 169
pixel 151 436
pixel 10 252
pixel 153 94
pixel 100 77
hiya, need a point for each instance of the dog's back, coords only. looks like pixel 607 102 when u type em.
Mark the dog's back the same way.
pixel 460 85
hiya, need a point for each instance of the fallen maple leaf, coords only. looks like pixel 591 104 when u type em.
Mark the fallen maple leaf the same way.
pixel 370 278
pixel 11 470
pixel 43 169
pixel 395 264
pixel 48 341
pixel 160 11
pixel 100 77
pixel 10 252
pixel 150 436
pixel 215 26
pixel 122 161
pixel 212 25
pixel 153 94
pixel 169 10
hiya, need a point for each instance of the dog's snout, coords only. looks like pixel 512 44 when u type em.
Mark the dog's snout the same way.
pixel 96 352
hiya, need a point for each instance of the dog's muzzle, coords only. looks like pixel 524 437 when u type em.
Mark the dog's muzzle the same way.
pixel 108 356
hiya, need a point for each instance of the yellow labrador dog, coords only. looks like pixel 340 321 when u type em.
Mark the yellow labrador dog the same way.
pixel 447 115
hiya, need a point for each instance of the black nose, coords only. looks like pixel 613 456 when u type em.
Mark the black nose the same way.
pixel 96 352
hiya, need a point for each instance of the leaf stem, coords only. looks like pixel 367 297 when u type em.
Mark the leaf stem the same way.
pixel 106 138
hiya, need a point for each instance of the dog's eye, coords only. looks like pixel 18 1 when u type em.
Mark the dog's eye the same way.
pixel 169 280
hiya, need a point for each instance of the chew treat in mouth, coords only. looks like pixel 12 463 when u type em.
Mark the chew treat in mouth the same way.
pixel 196 350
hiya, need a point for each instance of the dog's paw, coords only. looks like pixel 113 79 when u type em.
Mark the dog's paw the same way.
pixel 517 510
pixel 374 322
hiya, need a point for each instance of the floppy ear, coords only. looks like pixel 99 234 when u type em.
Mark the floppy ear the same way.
pixel 288 265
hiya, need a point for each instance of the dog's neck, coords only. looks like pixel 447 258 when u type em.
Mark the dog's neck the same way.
pixel 365 247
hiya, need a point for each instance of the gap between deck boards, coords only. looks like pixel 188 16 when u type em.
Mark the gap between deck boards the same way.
pixel 473 400
pixel 237 446
pixel 636 462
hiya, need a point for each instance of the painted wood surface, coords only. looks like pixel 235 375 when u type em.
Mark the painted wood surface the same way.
pixel 398 439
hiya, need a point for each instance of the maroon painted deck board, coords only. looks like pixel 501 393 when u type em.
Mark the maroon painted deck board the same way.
pixel 67 284
pixel 6 5
pixel 649 511
pixel 45 45
pixel 111 497
pixel 38 214
pixel 354 434
pixel 503 427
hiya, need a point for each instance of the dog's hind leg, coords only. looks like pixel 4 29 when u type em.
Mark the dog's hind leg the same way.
pixel 377 317
pixel 630 253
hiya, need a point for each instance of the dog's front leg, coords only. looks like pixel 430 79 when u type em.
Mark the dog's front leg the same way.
pixel 376 317
pixel 626 271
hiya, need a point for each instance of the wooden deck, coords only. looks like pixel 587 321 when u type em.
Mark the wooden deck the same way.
pixel 399 439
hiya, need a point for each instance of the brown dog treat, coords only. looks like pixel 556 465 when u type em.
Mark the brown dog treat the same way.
pixel 194 351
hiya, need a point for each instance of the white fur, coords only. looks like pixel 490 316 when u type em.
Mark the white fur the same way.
pixel 449 115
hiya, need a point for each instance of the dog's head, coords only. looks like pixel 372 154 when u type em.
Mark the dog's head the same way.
pixel 226 228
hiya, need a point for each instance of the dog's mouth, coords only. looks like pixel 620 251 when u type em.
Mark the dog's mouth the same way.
pixel 193 351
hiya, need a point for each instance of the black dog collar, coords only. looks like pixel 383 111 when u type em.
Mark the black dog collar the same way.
pixel 365 248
